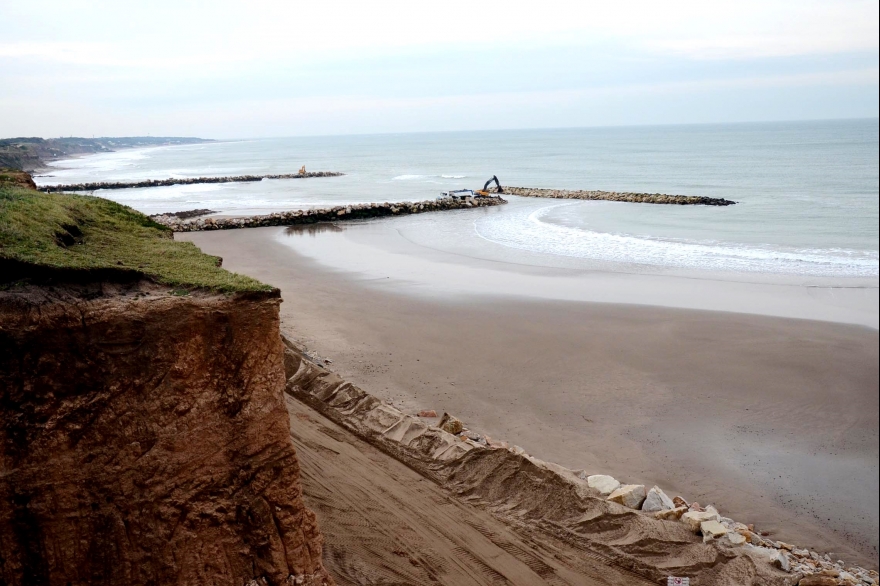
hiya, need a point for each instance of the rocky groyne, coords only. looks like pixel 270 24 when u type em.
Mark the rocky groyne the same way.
pixel 628 525
pixel 349 212
pixel 656 198
pixel 180 181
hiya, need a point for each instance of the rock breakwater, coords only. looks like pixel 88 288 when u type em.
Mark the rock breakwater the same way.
pixel 180 181
pixel 334 214
pixel 657 198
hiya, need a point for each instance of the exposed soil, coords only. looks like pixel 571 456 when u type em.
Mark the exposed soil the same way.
pixel 144 440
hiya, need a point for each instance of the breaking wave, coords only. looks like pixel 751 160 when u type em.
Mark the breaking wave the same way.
pixel 527 230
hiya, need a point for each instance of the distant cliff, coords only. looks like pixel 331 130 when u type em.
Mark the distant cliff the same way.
pixel 32 153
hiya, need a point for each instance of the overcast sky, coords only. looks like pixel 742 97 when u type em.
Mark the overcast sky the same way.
pixel 222 69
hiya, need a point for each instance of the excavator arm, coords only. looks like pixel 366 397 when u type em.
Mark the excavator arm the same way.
pixel 485 190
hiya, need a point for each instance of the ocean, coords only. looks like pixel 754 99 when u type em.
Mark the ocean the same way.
pixel 806 192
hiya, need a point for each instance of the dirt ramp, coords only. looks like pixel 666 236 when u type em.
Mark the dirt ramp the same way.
pixel 144 440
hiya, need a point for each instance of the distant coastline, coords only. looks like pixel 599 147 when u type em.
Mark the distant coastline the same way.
pixel 33 153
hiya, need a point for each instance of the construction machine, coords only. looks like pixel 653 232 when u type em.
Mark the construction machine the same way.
pixel 485 191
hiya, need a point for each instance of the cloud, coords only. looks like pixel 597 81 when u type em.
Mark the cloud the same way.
pixel 394 64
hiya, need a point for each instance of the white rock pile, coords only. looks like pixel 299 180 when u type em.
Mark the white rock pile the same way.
pixel 815 569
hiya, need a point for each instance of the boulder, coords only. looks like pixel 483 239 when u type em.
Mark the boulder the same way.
pixel 629 495
pixel 780 560
pixel 450 424
pixel 427 413
pixel 603 483
pixel 679 502
pixel 693 519
pixel 656 500
pixel 736 538
pixel 712 530
pixel 671 514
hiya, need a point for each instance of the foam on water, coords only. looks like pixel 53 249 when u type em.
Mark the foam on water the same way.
pixel 526 229
pixel 426 177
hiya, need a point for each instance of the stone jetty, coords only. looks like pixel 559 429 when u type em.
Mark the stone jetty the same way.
pixel 658 198
pixel 335 214
pixel 180 181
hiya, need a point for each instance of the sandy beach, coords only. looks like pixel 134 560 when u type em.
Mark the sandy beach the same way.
pixel 708 388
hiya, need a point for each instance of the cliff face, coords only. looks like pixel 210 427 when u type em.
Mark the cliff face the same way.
pixel 144 440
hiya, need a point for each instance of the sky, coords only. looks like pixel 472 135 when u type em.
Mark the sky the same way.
pixel 224 69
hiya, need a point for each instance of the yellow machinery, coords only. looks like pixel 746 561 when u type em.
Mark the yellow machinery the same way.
pixel 485 191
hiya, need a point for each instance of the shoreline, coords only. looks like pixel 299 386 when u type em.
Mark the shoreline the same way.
pixel 405 259
pixel 733 400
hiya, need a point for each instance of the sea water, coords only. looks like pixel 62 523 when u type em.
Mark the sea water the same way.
pixel 806 192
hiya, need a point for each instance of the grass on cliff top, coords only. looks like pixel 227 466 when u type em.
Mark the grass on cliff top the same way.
pixel 59 231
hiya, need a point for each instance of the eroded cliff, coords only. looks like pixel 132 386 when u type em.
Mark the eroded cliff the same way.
pixel 145 440
pixel 143 433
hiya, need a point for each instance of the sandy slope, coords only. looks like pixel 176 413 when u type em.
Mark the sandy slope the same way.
pixel 385 524
pixel 774 420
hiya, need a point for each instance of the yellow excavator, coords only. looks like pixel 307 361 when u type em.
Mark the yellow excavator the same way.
pixel 485 191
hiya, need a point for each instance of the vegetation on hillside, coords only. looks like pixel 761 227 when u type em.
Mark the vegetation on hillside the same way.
pixel 76 232
pixel 31 152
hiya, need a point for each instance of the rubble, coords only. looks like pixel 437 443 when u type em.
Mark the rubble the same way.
pixel 629 495
pixel 657 501
pixel 450 424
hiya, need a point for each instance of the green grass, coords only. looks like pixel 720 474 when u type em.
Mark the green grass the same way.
pixel 58 231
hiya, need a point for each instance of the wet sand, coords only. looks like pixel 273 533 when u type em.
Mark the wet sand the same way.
pixel 774 420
